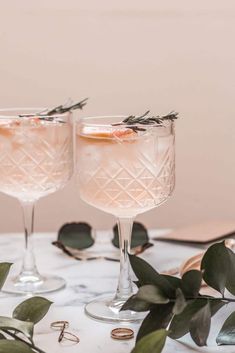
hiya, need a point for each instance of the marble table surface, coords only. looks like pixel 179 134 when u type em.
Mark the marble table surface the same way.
pixel 87 280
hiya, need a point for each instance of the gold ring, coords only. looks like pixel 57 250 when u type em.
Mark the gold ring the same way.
pixel 71 337
pixel 122 333
pixel 59 324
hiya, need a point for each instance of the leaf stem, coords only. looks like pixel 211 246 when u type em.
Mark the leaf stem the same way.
pixel 20 339
pixel 224 299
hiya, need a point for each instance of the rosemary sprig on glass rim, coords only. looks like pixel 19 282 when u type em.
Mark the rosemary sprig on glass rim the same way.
pixel 49 114
pixel 146 119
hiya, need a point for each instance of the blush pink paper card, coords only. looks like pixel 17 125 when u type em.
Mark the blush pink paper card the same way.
pixel 202 233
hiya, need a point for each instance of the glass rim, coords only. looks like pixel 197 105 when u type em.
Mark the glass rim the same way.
pixel 83 121
pixel 24 111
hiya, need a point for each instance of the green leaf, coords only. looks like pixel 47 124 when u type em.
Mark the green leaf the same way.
pixel 175 282
pixel 215 264
pixel 147 275
pixel 32 309
pixel 180 323
pixel 216 305
pixel 152 294
pixel 2 337
pixel 227 332
pixel 191 283
pixel 76 235
pixel 180 302
pixel 136 304
pixel 7 323
pixel 230 280
pixel 11 346
pixel 158 318
pixel 200 325
pixel 152 343
pixel 4 270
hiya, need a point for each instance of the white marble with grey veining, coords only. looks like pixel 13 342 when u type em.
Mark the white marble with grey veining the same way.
pixel 85 281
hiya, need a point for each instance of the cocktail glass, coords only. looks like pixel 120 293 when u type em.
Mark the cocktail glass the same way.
pixel 123 171
pixel 36 159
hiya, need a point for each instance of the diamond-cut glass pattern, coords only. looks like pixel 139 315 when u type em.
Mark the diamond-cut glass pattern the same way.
pixel 126 177
pixel 35 161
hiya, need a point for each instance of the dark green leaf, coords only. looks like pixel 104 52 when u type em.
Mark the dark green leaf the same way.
pixel 175 282
pixel 180 323
pixel 230 280
pixel 4 270
pixel 32 309
pixel 191 283
pixel 152 343
pixel 11 346
pixel 216 305
pixel 227 332
pixel 8 323
pixel 152 294
pixel 2 337
pixel 136 304
pixel 76 235
pixel 158 318
pixel 139 235
pixel 180 302
pixel 200 325
pixel 147 275
pixel 215 264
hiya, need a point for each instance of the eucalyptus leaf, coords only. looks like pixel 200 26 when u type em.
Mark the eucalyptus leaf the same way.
pixel 180 302
pixel 158 318
pixel 200 323
pixel 147 275
pixel 4 270
pixel 32 309
pixel 226 335
pixel 152 343
pixel 136 304
pixel 191 283
pixel 8 323
pixel 215 264
pixel 76 235
pixel 11 346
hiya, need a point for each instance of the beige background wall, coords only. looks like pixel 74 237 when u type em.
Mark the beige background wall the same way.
pixel 129 56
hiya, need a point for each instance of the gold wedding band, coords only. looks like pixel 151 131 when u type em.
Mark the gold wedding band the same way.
pixel 59 325
pixel 122 333
pixel 70 337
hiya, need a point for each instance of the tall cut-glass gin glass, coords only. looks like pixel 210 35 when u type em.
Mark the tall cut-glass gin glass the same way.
pixel 123 171
pixel 36 159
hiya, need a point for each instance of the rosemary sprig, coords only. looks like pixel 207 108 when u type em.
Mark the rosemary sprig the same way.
pixel 146 119
pixel 60 109
pixel 48 114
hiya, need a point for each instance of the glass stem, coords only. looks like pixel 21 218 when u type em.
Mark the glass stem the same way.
pixel 29 268
pixel 125 289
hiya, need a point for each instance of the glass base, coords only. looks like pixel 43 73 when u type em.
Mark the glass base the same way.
pixel 33 284
pixel 108 309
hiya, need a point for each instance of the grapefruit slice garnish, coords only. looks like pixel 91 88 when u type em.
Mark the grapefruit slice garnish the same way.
pixel 121 134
